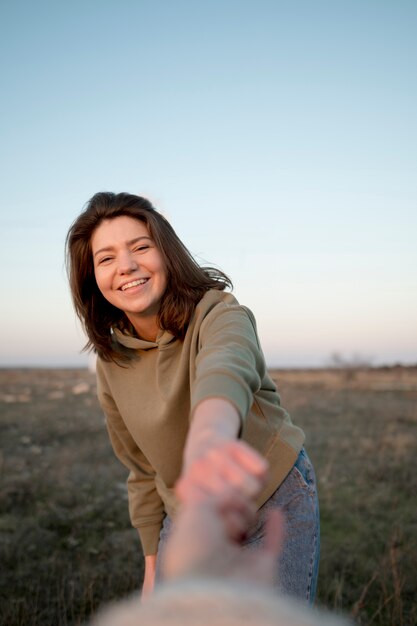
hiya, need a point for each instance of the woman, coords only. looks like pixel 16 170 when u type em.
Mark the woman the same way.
pixel 183 384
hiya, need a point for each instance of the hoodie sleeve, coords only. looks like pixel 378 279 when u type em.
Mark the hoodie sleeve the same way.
pixel 146 508
pixel 230 363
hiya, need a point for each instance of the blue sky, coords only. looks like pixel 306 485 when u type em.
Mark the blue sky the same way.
pixel 279 138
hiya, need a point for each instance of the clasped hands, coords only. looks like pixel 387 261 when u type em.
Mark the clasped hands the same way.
pixel 231 474
pixel 218 492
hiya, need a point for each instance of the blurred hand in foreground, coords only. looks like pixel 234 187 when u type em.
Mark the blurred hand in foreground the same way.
pixel 200 546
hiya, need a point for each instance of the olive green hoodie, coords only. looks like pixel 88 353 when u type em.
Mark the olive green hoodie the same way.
pixel 149 404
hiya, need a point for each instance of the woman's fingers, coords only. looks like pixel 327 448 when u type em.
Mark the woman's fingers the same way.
pixel 238 464
pixel 225 496
pixel 198 481
pixel 247 458
pixel 229 464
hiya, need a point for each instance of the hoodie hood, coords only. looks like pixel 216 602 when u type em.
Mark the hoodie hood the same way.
pixel 163 339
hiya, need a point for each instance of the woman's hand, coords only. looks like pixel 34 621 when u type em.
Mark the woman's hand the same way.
pixel 225 465
pixel 234 474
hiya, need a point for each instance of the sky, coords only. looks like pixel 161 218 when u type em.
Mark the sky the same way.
pixel 278 137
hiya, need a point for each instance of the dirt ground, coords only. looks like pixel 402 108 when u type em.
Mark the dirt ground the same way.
pixel 66 544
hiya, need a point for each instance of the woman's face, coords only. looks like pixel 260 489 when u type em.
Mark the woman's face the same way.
pixel 130 271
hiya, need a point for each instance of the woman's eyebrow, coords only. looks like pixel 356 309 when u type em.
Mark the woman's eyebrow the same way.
pixel 129 243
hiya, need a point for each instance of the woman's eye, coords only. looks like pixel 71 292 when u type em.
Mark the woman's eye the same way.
pixel 141 248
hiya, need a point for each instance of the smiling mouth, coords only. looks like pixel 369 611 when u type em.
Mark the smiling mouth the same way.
pixel 134 283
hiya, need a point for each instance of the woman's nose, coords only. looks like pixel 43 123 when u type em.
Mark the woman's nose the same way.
pixel 127 263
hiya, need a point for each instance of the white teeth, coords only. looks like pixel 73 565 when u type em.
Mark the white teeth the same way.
pixel 134 283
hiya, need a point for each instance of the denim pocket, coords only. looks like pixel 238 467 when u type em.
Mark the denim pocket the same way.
pixel 305 472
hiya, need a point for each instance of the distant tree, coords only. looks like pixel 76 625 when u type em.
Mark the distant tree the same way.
pixel 355 361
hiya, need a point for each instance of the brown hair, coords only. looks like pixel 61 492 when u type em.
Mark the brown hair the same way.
pixel 187 281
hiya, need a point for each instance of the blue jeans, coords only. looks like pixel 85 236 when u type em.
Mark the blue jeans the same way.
pixel 298 563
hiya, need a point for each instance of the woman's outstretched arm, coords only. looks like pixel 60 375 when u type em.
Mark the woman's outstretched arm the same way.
pixel 217 463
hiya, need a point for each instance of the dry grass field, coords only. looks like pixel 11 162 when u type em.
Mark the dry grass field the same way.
pixel 66 541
